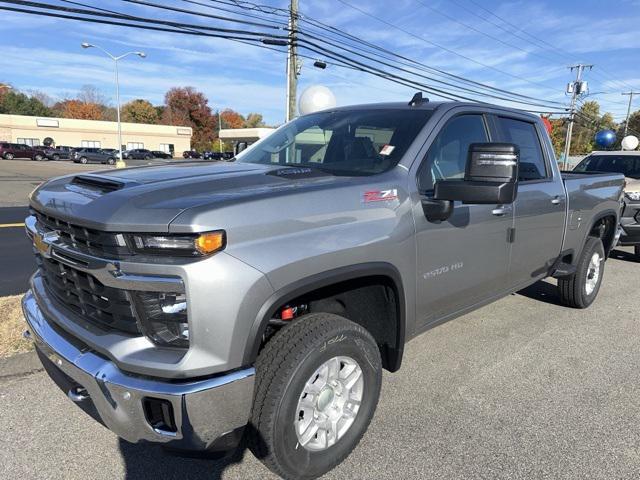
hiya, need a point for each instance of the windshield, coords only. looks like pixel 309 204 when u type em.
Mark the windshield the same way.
pixel 350 142
pixel 628 165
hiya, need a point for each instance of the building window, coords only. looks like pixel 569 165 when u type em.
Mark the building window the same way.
pixel 32 142
pixel 47 122
pixel 90 144
pixel 167 147
pixel 134 145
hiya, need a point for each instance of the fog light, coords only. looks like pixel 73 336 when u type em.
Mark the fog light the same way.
pixel 163 317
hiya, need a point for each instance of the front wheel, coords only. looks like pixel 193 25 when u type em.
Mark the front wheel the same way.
pixel 111 161
pixel 581 289
pixel 55 157
pixel 84 160
pixel 317 387
pixel 8 156
pixel 37 157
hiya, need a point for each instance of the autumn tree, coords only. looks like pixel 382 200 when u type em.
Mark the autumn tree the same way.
pixel 139 111
pixel 254 120
pixel 231 119
pixel 79 110
pixel 189 107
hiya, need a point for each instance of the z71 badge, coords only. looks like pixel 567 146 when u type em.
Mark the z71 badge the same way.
pixel 380 195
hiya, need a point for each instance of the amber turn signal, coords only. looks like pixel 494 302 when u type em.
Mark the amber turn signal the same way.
pixel 207 243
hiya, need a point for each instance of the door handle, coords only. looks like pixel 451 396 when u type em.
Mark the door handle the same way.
pixel 556 200
pixel 500 211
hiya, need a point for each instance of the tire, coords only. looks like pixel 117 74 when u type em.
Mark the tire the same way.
pixel 309 348
pixel 636 250
pixel 84 160
pixel 111 161
pixel 37 157
pixel 579 290
pixel 8 156
pixel 55 157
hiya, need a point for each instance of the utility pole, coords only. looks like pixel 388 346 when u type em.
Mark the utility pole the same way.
pixel 626 123
pixel 292 61
pixel 575 88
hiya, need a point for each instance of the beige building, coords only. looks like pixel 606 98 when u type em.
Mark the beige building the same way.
pixel 36 131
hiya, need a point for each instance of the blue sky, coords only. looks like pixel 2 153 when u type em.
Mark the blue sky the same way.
pixel 44 53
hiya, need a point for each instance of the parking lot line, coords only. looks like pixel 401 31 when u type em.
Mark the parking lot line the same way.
pixel 11 225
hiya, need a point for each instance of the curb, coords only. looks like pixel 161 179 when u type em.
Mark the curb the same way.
pixel 19 365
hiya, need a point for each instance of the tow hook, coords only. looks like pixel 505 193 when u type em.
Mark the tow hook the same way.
pixel 78 394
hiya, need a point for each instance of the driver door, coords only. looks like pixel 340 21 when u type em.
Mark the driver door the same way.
pixel 465 259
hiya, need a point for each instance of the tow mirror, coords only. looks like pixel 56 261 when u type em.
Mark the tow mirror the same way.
pixel 491 176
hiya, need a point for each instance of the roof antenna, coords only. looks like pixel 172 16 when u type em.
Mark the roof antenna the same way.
pixel 418 99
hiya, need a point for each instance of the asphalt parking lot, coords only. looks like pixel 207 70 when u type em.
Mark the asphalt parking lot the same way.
pixel 521 389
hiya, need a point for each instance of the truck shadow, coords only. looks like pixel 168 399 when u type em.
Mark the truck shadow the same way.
pixel 623 255
pixel 543 292
pixel 144 461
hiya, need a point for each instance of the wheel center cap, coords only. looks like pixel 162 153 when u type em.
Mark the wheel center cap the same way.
pixel 325 398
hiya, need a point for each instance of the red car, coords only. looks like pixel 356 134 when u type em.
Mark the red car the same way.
pixel 9 151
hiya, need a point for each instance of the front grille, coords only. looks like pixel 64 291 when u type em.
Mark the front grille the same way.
pixel 106 307
pixel 86 239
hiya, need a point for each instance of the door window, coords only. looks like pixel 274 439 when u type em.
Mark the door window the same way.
pixel 532 165
pixel 447 156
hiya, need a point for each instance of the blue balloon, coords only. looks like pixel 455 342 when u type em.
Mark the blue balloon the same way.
pixel 605 138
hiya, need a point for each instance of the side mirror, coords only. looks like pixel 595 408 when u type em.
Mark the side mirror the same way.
pixel 491 176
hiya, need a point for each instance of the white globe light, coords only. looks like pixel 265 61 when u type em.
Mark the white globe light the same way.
pixel 316 98
pixel 630 142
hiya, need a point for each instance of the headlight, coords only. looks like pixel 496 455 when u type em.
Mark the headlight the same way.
pixel 163 317
pixel 635 196
pixel 197 244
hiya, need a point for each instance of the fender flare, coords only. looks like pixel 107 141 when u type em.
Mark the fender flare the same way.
pixel 325 279
pixel 596 219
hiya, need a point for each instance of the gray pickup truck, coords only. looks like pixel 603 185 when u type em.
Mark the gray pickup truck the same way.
pixel 194 305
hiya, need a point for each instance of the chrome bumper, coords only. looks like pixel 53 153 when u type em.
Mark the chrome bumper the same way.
pixel 204 410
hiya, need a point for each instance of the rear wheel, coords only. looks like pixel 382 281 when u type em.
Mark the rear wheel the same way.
pixel 84 160
pixel 636 250
pixel 581 289
pixel 55 157
pixel 317 387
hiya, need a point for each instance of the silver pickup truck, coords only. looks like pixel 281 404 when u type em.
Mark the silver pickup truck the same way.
pixel 195 305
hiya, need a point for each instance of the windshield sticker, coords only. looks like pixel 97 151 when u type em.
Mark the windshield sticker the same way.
pixel 387 150
pixel 380 195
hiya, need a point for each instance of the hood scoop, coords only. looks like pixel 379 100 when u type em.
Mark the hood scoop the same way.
pixel 94 184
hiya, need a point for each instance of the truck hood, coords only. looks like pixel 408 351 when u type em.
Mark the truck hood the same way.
pixel 633 185
pixel 149 198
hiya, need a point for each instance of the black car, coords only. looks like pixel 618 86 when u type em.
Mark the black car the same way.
pixel 191 154
pixel 59 152
pixel 159 154
pixel 93 155
pixel 139 154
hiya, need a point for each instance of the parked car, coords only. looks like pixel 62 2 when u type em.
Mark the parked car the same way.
pixel 93 155
pixel 266 296
pixel 628 164
pixel 191 154
pixel 59 152
pixel 159 154
pixel 139 154
pixel 112 151
pixel 9 151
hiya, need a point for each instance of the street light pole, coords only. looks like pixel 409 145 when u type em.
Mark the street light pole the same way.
pixel 120 162
pixel 219 128
pixel 576 88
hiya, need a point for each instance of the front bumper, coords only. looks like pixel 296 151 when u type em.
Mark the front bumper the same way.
pixel 206 412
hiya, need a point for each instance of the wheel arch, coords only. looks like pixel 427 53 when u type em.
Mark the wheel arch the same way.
pixel 327 279
pixel 608 235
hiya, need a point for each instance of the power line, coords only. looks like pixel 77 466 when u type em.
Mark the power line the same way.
pixel 429 42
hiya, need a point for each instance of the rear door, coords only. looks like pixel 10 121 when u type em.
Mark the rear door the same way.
pixel 463 260
pixel 539 210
